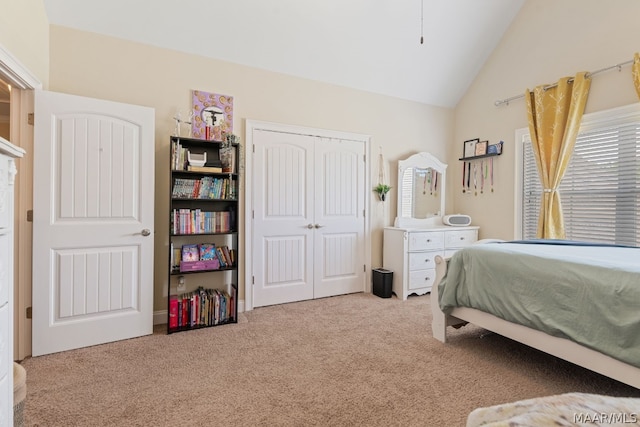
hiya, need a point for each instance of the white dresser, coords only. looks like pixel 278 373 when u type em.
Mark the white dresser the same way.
pixel 410 253
pixel 8 153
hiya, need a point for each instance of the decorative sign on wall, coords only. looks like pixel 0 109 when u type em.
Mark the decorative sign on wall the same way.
pixel 214 110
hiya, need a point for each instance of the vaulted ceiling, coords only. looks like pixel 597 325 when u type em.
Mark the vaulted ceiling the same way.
pixel 370 45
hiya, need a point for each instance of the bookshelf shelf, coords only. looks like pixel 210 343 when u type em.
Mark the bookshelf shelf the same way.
pixel 203 227
pixel 182 273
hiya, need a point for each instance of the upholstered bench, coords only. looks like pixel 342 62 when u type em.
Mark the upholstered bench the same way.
pixel 570 409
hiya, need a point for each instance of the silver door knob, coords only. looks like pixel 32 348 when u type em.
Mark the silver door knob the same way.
pixel 310 226
pixel 145 232
pixel 319 226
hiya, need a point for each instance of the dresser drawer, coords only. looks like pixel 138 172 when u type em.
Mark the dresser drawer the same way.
pixel 423 260
pixel 422 278
pixel 421 241
pixel 460 238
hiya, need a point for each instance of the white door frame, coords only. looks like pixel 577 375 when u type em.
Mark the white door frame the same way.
pixel 23 81
pixel 250 127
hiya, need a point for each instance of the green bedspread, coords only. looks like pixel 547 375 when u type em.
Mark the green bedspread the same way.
pixel 588 294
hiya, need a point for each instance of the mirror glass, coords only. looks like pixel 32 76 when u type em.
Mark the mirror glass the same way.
pixel 421 180
pixel 420 193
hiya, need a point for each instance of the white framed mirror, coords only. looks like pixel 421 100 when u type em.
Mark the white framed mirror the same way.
pixel 421 196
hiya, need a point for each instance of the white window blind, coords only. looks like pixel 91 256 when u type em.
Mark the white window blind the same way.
pixel 600 192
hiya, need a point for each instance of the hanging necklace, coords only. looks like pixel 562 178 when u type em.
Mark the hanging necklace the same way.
pixel 482 176
pixel 424 184
pixel 435 183
pixel 464 177
pixel 475 180
pixel 491 171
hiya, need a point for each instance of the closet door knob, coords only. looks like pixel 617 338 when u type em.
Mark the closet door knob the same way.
pixel 309 226
pixel 319 226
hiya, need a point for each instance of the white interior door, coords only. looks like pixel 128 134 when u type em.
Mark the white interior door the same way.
pixel 92 222
pixel 283 218
pixel 338 217
pixel 308 217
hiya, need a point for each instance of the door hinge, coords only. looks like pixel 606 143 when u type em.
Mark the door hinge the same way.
pixel 253 280
pixel 30 118
pixel 30 215
pixel 253 214
pixel 364 213
pixel 253 148
pixel 29 313
pixel 364 158
pixel 364 268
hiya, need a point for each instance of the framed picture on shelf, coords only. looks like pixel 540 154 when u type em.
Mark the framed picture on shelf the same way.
pixel 470 147
pixel 481 148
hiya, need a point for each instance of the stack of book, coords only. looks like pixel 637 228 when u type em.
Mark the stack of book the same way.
pixel 202 307
pixel 206 187
pixel 201 256
pixel 195 221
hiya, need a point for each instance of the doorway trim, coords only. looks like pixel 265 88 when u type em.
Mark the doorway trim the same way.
pixel 23 82
pixel 254 125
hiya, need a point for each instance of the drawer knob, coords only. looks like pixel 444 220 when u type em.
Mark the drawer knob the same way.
pixel 428 240
pixel 462 238
pixel 426 278
pixel 426 260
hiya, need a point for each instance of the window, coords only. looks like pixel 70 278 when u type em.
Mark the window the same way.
pixel 600 191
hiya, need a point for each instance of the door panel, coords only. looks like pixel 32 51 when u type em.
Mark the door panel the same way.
pixel 283 208
pixel 97 178
pixel 339 217
pixel 95 281
pixel 93 196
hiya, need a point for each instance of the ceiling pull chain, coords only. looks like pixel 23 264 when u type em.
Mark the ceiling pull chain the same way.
pixel 422 22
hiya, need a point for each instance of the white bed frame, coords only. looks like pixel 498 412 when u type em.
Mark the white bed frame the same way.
pixel 559 347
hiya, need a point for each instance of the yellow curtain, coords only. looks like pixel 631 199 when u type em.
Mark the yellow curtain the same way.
pixel 554 121
pixel 636 72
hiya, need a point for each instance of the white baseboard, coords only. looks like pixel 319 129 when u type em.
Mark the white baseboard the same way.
pixel 160 316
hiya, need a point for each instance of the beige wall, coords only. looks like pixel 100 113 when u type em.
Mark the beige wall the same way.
pixel 103 67
pixel 547 40
pixel 24 32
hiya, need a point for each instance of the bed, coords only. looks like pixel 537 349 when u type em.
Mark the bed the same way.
pixel 576 301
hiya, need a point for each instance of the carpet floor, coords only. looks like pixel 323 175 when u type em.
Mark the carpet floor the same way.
pixel 352 360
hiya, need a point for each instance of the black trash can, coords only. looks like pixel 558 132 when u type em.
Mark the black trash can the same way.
pixel 382 282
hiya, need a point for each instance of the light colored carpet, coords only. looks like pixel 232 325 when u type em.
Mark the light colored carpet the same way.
pixel 342 361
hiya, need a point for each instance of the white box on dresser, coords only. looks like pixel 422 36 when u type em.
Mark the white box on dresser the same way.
pixel 410 253
pixel 8 152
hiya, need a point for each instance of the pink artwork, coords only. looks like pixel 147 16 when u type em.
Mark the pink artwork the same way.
pixel 214 109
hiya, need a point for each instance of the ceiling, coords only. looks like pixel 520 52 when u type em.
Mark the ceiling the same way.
pixel 370 45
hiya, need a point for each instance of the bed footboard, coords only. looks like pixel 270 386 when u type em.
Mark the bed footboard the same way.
pixel 556 346
pixel 440 320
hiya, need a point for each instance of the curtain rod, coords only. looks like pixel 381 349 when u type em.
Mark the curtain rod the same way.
pixel 593 73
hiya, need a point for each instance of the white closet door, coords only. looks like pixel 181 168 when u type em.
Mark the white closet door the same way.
pixel 283 218
pixel 338 217
pixel 308 217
